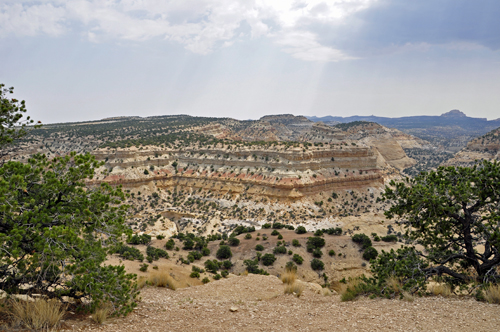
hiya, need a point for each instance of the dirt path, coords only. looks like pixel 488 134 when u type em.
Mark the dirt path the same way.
pixel 258 304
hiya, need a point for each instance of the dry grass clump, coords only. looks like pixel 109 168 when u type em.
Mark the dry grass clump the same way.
pixel 142 281
pixel 492 294
pixel 289 277
pixel 395 284
pixel 294 289
pixel 102 313
pixel 162 279
pixel 347 291
pixel 407 296
pixel 37 315
pixel 440 289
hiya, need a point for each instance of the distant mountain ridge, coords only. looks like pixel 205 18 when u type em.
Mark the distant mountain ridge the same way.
pixel 449 119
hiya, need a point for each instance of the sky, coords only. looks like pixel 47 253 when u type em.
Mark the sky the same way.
pixel 81 60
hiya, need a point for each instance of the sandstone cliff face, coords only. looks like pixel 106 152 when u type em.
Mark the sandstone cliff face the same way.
pixel 486 147
pixel 291 174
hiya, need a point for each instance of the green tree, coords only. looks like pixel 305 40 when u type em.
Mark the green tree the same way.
pixel 452 212
pixel 55 232
pixel 12 125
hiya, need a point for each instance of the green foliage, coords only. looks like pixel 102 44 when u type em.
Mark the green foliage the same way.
pixel 194 274
pixel 242 229
pixel 449 212
pixel 370 253
pixel 268 259
pixel 317 253
pixel 279 250
pixel 315 242
pixel 295 243
pixel 12 125
pixel 205 251
pixel 248 236
pixel 232 241
pixel 297 259
pixel 318 232
pixel 224 252
pixel 217 276
pixel 334 231
pixel 252 266
pixel 275 232
pixel 317 265
pixel 156 253
pixel 362 239
pixel 129 253
pixel 170 244
pixel 390 238
pixel 140 239
pixel 205 280
pixel 266 226
pixel 331 252
pixel 290 266
pixel 259 247
pixel 300 230
pixel 144 267
pixel 53 226
pixel 212 266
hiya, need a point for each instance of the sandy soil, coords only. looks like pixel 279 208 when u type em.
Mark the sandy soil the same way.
pixel 257 303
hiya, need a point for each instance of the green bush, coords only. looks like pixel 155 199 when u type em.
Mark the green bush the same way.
pixel 390 238
pixel 232 241
pixel 315 242
pixel 205 251
pixel 205 280
pixel 144 267
pixel 217 276
pixel 212 266
pixel 259 247
pixel 224 273
pixel 362 239
pixel 297 259
pixel 268 259
pixel 156 253
pixel 170 244
pixel 188 244
pixel 370 253
pixel 318 232
pixel 290 252
pixel 140 239
pixel 317 253
pixel 290 266
pixel 224 252
pixel 334 231
pixel 317 265
pixel 248 236
pixel 275 232
pixel 331 252
pixel 194 274
pixel 279 250
pixel 266 226
pixel 295 243
pixel 280 237
pixel 129 253
pixel 252 266
pixel 300 230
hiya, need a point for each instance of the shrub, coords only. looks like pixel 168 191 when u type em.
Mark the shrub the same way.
pixel 315 243
pixel 290 266
pixel 370 253
pixel 170 244
pixel 188 244
pixel 248 236
pixel 196 255
pixel 318 232
pixel 252 266
pixel 278 225
pixel 217 276
pixel 362 239
pixel 290 252
pixel 331 252
pixel 390 238
pixel 160 237
pixel 259 247
pixel 144 267
pixel 492 294
pixel 300 230
pixel 295 243
pixel 205 280
pixel 232 241
pixel 266 226
pixel 140 239
pixel 317 253
pixel 194 274
pixel 295 289
pixel 279 250
pixel 156 253
pixel 268 259
pixel 280 237
pixel 212 266
pixel 224 273
pixel 37 315
pixel 297 259
pixel 317 265
pixel 275 232
pixel 290 275
pixel 205 251
pixel 129 253
pixel 224 252
pixel 334 231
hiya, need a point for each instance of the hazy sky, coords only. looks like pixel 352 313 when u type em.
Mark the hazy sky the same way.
pixel 83 59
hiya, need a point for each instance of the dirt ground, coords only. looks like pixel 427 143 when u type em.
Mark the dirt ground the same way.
pixel 257 303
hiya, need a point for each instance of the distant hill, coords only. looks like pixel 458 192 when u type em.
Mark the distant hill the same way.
pixel 451 130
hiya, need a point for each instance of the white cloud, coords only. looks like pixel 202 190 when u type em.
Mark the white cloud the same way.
pixel 200 25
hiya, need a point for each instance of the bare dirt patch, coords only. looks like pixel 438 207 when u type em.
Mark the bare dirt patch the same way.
pixel 257 303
